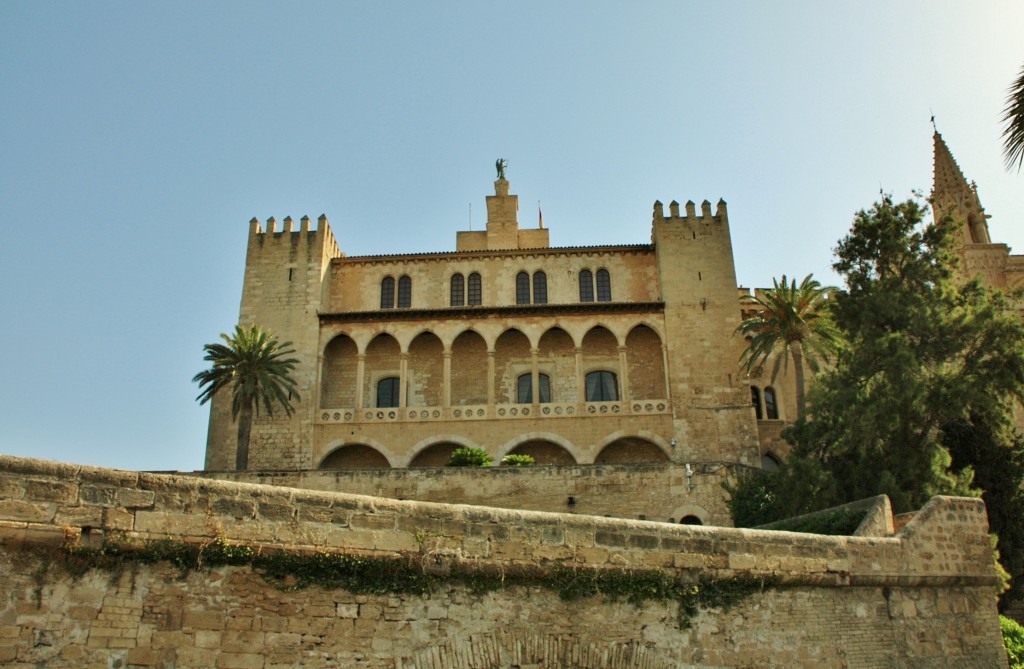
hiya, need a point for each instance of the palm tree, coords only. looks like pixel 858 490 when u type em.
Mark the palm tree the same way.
pixel 1013 116
pixel 795 320
pixel 252 365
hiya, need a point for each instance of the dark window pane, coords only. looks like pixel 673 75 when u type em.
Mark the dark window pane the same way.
pixel 387 293
pixel 457 290
pixel 404 292
pixel 522 288
pixel 755 399
pixel 540 288
pixel 604 286
pixel 524 389
pixel 544 388
pixel 771 408
pixel 475 291
pixel 586 286
pixel 602 386
pixel 387 392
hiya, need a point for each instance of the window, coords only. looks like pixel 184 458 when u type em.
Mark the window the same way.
pixel 404 292
pixel 524 388
pixel 540 288
pixel 771 408
pixel 522 288
pixel 602 386
pixel 604 286
pixel 475 291
pixel 458 285
pixel 586 286
pixel 387 293
pixel 755 399
pixel 387 392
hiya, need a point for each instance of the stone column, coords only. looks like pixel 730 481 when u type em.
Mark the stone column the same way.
pixel 534 378
pixel 581 388
pixel 403 376
pixel 490 378
pixel 360 379
pixel 446 398
pixel 623 375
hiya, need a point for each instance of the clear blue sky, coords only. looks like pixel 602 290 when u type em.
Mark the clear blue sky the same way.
pixel 137 140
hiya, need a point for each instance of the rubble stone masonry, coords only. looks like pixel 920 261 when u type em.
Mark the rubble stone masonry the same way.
pixel 924 597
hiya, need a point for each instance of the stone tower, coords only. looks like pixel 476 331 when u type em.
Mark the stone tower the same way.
pixel 282 291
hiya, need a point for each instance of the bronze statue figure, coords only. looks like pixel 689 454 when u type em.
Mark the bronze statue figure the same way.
pixel 501 164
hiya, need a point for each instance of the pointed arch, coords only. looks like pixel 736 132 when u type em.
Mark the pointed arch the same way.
pixel 469 380
pixel 425 382
pixel 338 374
pixel 646 364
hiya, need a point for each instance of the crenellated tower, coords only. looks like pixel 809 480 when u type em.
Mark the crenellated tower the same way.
pixel 698 287
pixel 283 290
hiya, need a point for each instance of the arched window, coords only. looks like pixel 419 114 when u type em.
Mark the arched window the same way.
pixel 404 292
pixel 458 285
pixel 770 463
pixel 771 407
pixel 602 386
pixel 387 293
pixel 586 286
pixel 524 389
pixel 755 399
pixel 522 288
pixel 604 286
pixel 387 392
pixel 540 288
pixel 475 291
pixel 690 520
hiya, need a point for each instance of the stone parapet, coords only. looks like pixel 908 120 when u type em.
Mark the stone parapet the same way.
pixel 923 597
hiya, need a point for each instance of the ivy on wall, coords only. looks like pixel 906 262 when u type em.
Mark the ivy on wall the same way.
pixel 414 573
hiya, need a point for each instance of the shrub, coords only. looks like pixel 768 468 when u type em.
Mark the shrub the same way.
pixel 517 460
pixel 1013 638
pixel 469 457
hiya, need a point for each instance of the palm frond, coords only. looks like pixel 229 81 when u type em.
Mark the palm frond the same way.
pixel 1013 117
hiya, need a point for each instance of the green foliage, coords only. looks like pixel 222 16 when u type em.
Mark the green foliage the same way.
pixel 517 460
pixel 469 457
pixel 996 454
pixel 836 522
pixel 801 486
pixel 1013 116
pixel 1013 639
pixel 791 322
pixel 360 574
pixel 922 352
pixel 253 366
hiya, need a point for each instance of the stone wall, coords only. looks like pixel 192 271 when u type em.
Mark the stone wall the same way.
pixel 922 598
pixel 662 492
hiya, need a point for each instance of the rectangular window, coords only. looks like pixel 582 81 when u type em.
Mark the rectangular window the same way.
pixel 404 292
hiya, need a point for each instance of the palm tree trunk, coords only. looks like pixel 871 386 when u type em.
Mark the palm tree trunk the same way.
pixel 798 363
pixel 244 428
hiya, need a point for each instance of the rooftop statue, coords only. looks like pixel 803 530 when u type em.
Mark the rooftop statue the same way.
pixel 501 164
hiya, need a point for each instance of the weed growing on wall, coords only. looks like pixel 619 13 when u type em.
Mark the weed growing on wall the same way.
pixel 417 574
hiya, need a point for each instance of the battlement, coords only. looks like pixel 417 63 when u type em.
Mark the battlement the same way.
pixel 706 217
pixel 257 232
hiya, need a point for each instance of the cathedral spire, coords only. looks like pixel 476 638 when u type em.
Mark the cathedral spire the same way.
pixel 953 196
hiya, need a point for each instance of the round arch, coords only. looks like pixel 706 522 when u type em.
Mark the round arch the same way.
pixel 426 444
pixel 680 513
pixel 355 456
pixel 544 452
pixel 630 450
pixel 578 456
pixel 338 444
pixel 643 435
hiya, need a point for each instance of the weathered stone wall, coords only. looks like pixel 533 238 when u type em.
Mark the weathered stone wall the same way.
pixel 922 598
pixel 661 492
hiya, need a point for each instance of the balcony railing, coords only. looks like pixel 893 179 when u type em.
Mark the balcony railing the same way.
pixel 495 412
